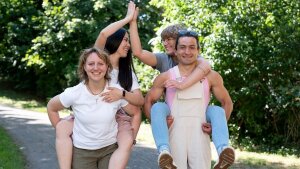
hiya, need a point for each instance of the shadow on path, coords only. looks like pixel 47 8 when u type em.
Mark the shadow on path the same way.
pixel 35 136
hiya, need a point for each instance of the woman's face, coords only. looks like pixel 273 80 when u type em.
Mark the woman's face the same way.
pixel 124 46
pixel 95 67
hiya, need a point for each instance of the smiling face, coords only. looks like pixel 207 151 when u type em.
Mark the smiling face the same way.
pixel 187 50
pixel 95 68
pixel 169 45
pixel 124 46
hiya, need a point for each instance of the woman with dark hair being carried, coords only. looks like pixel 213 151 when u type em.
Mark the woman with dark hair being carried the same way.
pixel 115 40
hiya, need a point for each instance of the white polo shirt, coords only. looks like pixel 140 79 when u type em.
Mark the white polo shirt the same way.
pixel 95 124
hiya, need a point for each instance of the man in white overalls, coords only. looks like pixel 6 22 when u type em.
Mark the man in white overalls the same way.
pixel 190 146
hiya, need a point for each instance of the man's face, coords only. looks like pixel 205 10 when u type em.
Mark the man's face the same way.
pixel 187 51
pixel 169 45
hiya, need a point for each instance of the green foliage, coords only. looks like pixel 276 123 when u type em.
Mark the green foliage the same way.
pixel 17 22
pixel 255 45
pixel 51 35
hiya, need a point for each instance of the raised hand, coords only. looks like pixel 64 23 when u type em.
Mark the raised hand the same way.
pixel 136 14
pixel 130 11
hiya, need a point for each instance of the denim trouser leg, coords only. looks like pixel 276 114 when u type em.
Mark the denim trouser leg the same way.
pixel 220 135
pixel 159 113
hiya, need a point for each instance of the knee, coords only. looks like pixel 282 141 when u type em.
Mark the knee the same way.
pixel 160 108
pixel 125 143
pixel 63 129
pixel 215 114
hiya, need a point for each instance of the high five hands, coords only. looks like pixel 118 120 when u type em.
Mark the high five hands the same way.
pixel 132 12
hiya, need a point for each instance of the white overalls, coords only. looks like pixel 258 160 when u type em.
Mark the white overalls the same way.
pixel 190 146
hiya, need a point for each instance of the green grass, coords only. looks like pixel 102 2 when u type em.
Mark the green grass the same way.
pixel 244 159
pixel 20 100
pixel 10 155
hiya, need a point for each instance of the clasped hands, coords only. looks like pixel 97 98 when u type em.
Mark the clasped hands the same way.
pixel 206 127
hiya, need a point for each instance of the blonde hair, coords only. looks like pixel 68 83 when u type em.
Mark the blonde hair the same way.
pixel 82 60
pixel 171 31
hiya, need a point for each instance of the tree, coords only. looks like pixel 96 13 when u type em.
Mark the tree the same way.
pixel 255 45
pixel 59 30
pixel 18 22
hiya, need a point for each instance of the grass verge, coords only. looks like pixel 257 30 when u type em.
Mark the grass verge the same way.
pixel 10 154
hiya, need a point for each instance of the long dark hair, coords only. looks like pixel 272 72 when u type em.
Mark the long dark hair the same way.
pixel 125 64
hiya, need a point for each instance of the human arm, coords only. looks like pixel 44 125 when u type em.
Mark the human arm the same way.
pixel 220 92
pixel 155 93
pixel 202 69
pixel 113 27
pixel 53 108
pixel 145 56
pixel 135 113
pixel 134 97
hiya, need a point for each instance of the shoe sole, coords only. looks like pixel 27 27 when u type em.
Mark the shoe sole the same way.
pixel 226 159
pixel 166 162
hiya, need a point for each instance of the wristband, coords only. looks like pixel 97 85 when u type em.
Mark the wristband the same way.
pixel 124 93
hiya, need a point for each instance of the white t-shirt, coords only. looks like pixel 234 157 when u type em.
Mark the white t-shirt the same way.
pixel 95 124
pixel 114 79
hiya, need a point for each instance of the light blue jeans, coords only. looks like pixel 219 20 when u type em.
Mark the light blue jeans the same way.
pixel 214 115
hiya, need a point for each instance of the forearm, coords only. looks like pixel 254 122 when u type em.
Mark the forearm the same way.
pixel 134 98
pixel 53 108
pixel 109 30
pixel 144 56
pixel 202 69
pixel 228 107
pixel 136 45
pixel 54 117
pixel 147 108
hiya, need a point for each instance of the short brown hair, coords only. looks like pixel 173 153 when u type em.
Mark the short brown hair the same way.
pixel 82 60
pixel 171 31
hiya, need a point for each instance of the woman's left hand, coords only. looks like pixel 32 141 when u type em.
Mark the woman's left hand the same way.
pixel 112 95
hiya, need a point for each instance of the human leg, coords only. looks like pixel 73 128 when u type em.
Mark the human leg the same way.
pixel 86 159
pixel 105 155
pixel 63 143
pixel 159 113
pixel 220 136
pixel 120 157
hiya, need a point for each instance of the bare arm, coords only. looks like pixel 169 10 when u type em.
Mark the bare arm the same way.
pixel 155 93
pixel 202 69
pixel 134 97
pixel 143 55
pixel 53 107
pixel 136 115
pixel 221 93
pixel 113 27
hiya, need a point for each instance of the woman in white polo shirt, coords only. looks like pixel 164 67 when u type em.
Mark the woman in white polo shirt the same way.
pixel 95 127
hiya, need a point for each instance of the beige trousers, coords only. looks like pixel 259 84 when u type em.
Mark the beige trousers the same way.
pixel 190 146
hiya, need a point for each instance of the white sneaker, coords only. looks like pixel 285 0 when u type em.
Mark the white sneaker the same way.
pixel 226 158
pixel 165 160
